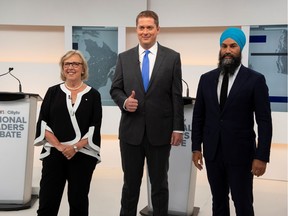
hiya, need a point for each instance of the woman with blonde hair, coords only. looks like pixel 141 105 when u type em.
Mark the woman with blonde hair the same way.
pixel 68 128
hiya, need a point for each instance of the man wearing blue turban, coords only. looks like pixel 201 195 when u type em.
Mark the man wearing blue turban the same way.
pixel 227 100
pixel 236 34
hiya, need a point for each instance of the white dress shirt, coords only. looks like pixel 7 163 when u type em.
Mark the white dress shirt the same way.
pixel 152 57
pixel 230 83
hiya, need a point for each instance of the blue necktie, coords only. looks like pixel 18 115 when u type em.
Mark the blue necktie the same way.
pixel 145 70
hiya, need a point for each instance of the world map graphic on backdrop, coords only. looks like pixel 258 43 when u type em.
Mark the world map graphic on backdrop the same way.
pixel 268 55
pixel 99 46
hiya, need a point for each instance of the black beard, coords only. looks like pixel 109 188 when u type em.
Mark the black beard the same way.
pixel 229 65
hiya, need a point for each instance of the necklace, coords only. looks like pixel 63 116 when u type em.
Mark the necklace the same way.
pixel 73 89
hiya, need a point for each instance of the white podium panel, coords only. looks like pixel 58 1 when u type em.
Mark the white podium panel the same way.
pixel 17 132
pixel 181 175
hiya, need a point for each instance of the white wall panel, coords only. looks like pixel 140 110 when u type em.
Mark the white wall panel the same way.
pixel 183 13
pixel 67 12
pixel 220 12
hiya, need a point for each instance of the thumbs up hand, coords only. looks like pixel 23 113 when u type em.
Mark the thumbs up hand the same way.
pixel 131 103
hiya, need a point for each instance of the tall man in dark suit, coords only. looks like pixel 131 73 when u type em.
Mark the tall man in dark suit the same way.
pixel 152 116
pixel 225 126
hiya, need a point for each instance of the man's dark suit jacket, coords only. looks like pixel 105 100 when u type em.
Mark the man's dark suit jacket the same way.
pixel 160 109
pixel 235 124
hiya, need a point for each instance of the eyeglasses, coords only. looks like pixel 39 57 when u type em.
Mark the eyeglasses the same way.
pixel 73 64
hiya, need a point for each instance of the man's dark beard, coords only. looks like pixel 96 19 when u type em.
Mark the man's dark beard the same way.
pixel 229 65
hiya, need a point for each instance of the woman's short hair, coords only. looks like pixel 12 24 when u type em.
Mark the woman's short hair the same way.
pixel 84 74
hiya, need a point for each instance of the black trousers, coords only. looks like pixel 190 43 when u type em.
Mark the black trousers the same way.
pixel 133 158
pixel 55 172
pixel 224 178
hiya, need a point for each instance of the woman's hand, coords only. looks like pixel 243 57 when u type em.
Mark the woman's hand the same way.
pixel 68 151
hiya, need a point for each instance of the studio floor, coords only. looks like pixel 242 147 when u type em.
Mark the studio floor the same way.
pixel 270 195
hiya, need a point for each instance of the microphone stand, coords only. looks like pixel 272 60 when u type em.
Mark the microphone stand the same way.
pixel 187 88
pixel 187 99
pixel 9 72
pixel 20 86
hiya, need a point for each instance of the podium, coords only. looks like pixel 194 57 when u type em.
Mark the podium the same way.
pixel 17 133
pixel 181 174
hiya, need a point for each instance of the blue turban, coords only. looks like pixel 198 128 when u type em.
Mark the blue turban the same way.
pixel 236 34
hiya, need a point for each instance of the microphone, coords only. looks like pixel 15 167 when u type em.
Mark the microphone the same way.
pixel 187 88
pixel 9 71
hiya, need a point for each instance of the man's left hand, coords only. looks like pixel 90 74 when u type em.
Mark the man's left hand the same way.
pixel 176 139
pixel 258 167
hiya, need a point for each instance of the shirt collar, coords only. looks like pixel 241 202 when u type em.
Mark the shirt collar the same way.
pixel 237 70
pixel 152 49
